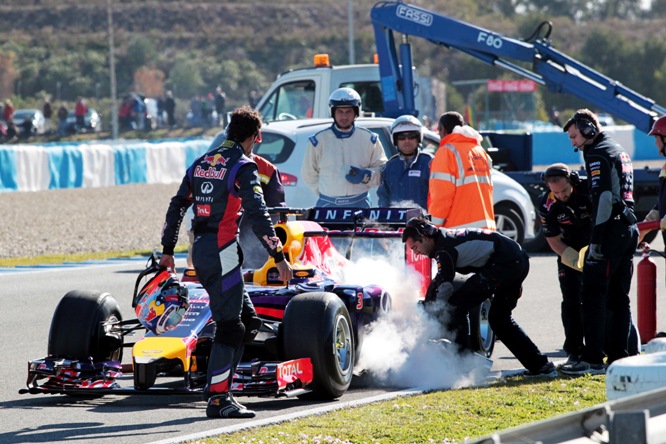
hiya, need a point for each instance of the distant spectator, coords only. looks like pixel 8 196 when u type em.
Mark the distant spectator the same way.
pixel 160 112
pixel 220 106
pixel 11 132
pixel 8 111
pixel 139 112
pixel 195 108
pixel 125 114
pixel 26 128
pixel 48 113
pixel 253 98
pixel 62 120
pixel 80 110
pixel 170 108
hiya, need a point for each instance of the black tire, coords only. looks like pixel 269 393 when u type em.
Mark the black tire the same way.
pixel 77 330
pixel 318 326
pixel 482 337
pixel 510 223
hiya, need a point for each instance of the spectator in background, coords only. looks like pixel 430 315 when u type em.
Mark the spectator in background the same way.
pixel 139 112
pixel 47 110
pixel 80 110
pixel 220 106
pixel 62 119
pixel 8 111
pixel 405 176
pixel 26 128
pixel 125 114
pixel 170 108
pixel 253 98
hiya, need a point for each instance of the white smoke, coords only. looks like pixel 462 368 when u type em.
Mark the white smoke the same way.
pixel 397 349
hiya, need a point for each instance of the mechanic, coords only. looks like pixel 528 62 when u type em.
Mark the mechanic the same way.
pixel 406 174
pixel 343 162
pixel 274 196
pixel 659 211
pixel 497 266
pixel 608 265
pixel 566 221
pixel 461 187
pixel 219 183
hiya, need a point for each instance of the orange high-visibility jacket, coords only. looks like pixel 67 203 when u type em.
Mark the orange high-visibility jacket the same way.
pixel 461 187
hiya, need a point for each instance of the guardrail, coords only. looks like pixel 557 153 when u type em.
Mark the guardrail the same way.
pixel 87 165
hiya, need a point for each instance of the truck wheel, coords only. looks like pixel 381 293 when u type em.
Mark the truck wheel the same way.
pixel 318 326
pixel 482 336
pixel 80 330
pixel 510 223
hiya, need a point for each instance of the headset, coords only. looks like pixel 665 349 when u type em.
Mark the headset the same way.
pixel 558 171
pixel 423 227
pixel 586 126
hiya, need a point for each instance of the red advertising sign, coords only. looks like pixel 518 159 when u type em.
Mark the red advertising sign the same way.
pixel 511 85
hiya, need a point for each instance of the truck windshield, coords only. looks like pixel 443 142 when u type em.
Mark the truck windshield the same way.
pixel 371 96
pixel 289 102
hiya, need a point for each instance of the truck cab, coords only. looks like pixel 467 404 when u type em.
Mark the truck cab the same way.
pixel 303 93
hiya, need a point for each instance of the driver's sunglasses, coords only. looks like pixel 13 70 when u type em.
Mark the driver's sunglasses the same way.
pixel 405 136
pixel 257 137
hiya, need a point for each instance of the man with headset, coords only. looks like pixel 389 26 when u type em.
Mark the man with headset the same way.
pixel 497 267
pixel 609 261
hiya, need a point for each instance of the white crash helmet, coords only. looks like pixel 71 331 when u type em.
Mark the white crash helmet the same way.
pixel 344 98
pixel 406 124
pixel 163 302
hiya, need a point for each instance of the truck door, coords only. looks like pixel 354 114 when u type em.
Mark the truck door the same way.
pixel 290 101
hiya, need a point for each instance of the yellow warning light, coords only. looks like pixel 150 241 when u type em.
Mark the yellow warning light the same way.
pixel 375 59
pixel 321 60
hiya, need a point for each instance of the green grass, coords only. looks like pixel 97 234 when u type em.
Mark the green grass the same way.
pixel 450 416
pixel 61 258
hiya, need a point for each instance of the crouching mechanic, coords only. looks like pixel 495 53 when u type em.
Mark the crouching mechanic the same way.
pixel 405 176
pixel 219 183
pixel 342 162
pixel 497 266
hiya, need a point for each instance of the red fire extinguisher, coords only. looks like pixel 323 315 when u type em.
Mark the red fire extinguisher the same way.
pixel 647 296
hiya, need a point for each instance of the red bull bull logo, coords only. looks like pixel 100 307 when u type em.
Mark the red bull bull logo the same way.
pixel 215 159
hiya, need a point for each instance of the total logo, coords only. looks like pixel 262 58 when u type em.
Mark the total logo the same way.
pixel 206 188
pixel 287 369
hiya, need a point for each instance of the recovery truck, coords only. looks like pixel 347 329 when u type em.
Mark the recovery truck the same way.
pixel 549 67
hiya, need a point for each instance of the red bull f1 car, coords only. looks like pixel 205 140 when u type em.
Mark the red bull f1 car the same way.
pixel 309 340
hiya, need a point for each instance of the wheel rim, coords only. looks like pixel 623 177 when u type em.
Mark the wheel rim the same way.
pixel 343 345
pixel 485 332
pixel 116 355
pixel 506 226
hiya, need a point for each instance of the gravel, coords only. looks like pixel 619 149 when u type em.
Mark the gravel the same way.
pixel 70 221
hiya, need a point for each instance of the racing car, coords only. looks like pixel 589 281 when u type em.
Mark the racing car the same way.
pixel 310 336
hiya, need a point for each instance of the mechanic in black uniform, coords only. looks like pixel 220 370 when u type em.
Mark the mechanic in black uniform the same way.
pixel 219 183
pixel 497 266
pixel 566 221
pixel 658 212
pixel 609 261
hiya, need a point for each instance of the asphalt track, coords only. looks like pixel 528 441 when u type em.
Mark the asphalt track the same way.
pixel 30 296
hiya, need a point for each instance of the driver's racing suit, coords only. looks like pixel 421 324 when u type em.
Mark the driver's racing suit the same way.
pixel 219 183
pixel 498 266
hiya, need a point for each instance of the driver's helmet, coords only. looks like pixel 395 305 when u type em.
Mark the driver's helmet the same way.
pixel 163 302
pixel 406 124
pixel 659 127
pixel 345 98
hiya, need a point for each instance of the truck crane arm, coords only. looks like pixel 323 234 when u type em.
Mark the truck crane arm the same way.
pixel 549 67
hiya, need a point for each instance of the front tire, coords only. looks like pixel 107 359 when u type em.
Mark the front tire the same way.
pixel 509 222
pixel 80 330
pixel 318 326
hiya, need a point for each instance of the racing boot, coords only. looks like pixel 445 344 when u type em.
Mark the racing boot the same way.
pixel 223 406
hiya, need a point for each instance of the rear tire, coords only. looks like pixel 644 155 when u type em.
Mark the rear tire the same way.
pixel 510 223
pixel 318 326
pixel 77 330
pixel 482 337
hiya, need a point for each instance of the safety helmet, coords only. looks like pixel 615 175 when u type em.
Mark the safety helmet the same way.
pixel 659 127
pixel 406 124
pixel 345 98
pixel 163 302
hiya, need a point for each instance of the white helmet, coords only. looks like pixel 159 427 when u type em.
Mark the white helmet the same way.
pixel 404 124
pixel 344 98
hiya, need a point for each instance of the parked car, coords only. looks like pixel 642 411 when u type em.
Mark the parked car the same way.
pixel 92 121
pixel 34 115
pixel 284 143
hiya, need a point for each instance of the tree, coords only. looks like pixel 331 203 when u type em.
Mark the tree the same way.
pixel 8 74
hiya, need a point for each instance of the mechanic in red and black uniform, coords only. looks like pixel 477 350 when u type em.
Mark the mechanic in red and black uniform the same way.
pixel 219 183
pixel 565 213
pixel 609 262
pixel 497 266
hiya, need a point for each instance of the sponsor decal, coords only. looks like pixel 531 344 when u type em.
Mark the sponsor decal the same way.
pixel 207 187
pixel 288 369
pixel 210 173
pixel 203 210
pixel 414 173
pixel 215 159
pixel 414 15
pixel 596 172
pixel 550 201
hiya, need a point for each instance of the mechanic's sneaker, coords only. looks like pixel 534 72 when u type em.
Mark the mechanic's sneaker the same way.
pixel 547 371
pixel 572 359
pixel 583 368
pixel 223 406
